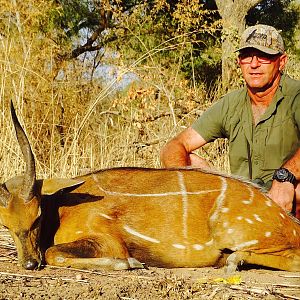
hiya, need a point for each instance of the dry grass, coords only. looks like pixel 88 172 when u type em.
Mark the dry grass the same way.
pixel 76 124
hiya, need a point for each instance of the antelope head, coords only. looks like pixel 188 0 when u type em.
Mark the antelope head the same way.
pixel 20 210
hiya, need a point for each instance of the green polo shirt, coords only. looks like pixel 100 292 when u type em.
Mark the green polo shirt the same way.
pixel 270 143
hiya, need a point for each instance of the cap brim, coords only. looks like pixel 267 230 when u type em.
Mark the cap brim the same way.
pixel 260 48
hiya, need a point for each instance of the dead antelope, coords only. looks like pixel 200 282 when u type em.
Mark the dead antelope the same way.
pixel 124 217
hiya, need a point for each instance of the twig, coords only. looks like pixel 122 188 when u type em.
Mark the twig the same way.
pixel 42 277
pixel 102 274
pixel 287 296
pixel 263 292
pixel 289 276
pixel 297 286
pixel 250 290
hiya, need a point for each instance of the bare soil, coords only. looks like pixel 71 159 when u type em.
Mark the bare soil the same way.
pixel 152 283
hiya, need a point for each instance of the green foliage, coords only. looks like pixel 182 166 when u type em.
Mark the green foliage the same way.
pixel 66 18
pixel 281 14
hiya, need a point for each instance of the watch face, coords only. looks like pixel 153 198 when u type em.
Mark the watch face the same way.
pixel 282 174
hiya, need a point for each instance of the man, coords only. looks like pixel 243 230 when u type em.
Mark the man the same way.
pixel 261 121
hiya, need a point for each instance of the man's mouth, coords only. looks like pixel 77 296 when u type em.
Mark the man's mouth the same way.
pixel 255 74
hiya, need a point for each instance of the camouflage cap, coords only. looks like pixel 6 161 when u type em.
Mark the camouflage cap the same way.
pixel 263 38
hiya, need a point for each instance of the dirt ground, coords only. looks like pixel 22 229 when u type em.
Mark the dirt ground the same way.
pixel 152 283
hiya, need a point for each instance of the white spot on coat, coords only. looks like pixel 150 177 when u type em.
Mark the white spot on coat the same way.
pixel 178 246
pixel 209 243
pixel 268 234
pixel 269 202
pixel 294 232
pixel 247 202
pixel 257 218
pixel 230 230
pixel 249 221
pixel 225 209
pixel 244 245
pixel 225 224
pixel 282 216
pixel 198 247
pixel 239 218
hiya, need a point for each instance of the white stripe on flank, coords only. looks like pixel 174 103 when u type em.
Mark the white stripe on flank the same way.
pixel 140 235
pixel 244 245
pixel 220 199
pixel 106 216
pixel 167 194
pixel 184 205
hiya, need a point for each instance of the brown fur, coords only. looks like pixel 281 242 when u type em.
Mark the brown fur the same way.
pixel 125 217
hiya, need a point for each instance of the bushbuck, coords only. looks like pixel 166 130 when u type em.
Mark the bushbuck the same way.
pixel 123 218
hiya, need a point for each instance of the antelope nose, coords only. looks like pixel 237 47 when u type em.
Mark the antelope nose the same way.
pixel 31 264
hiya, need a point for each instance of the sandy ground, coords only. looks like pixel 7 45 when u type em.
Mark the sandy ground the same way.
pixel 152 283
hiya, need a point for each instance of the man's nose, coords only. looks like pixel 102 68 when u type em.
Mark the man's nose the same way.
pixel 255 62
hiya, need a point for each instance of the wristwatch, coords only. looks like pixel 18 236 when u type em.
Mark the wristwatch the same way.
pixel 283 174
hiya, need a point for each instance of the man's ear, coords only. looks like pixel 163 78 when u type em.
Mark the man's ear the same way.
pixel 282 61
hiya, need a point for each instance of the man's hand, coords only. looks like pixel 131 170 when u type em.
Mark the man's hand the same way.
pixel 199 162
pixel 283 194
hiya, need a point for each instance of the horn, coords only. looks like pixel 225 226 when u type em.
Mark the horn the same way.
pixel 29 181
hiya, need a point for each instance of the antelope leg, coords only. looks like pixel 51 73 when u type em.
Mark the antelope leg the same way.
pixel 98 263
pixel 288 260
pixel 92 254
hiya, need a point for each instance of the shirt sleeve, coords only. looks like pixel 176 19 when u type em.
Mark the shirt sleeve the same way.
pixel 210 124
pixel 296 109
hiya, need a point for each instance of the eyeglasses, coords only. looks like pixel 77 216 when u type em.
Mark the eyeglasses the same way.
pixel 247 58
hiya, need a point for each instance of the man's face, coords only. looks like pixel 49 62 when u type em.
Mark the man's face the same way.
pixel 260 69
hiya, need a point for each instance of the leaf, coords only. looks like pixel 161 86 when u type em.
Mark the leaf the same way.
pixel 236 279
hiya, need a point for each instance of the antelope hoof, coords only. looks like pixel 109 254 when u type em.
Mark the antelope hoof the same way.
pixel 231 263
pixel 134 263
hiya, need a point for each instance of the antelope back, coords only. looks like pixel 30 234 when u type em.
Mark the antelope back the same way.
pixel 20 205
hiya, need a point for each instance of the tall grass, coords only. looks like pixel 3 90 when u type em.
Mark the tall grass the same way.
pixel 75 125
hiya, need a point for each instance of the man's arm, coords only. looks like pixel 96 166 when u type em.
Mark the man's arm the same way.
pixel 178 151
pixel 283 192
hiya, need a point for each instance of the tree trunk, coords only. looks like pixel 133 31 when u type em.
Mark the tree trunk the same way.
pixel 233 15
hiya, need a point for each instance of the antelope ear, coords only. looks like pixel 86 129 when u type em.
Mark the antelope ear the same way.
pixel 14 184
pixel 54 185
